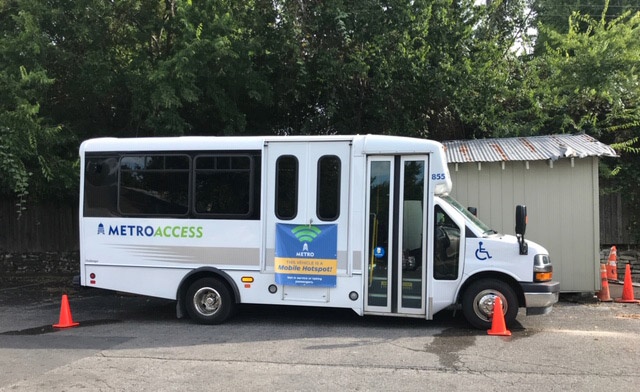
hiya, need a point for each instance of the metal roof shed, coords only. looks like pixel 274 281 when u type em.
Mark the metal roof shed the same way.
pixel 556 177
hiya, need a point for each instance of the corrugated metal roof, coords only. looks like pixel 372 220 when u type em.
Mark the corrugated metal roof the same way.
pixel 531 148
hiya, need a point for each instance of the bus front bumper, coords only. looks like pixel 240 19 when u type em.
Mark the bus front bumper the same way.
pixel 540 297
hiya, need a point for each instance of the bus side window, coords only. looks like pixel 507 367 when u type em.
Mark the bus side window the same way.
pixel 224 185
pixel 100 186
pixel 446 247
pixel 154 185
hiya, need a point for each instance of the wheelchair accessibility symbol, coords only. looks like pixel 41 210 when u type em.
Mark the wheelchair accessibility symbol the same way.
pixel 482 253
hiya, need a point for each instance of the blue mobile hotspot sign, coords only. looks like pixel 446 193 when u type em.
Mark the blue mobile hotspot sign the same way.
pixel 306 255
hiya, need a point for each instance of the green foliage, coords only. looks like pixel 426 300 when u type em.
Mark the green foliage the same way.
pixel 554 14
pixel 589 82
pixel 591 76
pixel 26 153
pixel 360 66
pixel 145 67
pixel 497 99
pixel 444 69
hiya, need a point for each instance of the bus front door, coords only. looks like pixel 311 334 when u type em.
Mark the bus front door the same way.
pixel 396 233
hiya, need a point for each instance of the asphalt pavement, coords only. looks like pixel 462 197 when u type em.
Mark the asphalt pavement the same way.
pixel 128 342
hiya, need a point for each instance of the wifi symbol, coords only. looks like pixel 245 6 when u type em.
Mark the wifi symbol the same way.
pixel 306 233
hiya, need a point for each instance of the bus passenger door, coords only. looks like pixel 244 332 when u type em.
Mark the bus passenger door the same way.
pixel 307 186
pixel 396 224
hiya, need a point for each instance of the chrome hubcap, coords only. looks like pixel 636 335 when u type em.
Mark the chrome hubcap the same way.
pixel 484 302
pixel 207 301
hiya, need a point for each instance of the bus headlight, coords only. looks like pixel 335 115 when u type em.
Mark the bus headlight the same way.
pixel 542 268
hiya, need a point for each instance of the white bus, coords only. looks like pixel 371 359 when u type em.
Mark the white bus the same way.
pixel 361 222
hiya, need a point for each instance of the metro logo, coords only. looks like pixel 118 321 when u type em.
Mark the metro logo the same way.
pixel 150 231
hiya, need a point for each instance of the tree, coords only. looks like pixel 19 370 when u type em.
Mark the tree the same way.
pixel 363 65
pixel 554 14
pixel 589 81
pixel 590 77
pixel 428 68
pixel 497 99
pixel 32 153
pixel 421 68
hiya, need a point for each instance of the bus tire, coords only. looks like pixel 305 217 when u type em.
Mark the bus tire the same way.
pixel 209 301
pixel 478 299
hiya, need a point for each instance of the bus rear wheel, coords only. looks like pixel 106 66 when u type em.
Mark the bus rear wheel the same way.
pixel 209 301
pixel 478 300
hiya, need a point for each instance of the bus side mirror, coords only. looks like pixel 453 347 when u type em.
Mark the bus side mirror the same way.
pixel 473 211
pixel 521 220
pixel 521 227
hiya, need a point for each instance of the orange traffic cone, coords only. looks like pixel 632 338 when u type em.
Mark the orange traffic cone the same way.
pixel 66 321
pixel 627 289
pixel 603 294
pixel 612 266
pixel 498 326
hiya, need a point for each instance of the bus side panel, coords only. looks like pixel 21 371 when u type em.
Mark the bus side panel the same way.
pixel 149 281
pixel 335 297
pixel 150 256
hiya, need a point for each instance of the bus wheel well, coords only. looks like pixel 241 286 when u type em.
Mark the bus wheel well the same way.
pixel 206 272
pixel 517 289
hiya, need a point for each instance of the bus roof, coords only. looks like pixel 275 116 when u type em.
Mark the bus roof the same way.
pixel 365 144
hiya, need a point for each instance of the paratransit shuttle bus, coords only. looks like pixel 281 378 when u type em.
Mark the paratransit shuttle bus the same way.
pixel 361 222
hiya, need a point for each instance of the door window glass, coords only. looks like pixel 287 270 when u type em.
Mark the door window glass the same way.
pixel 446 247
pixel 286 207
pixel 328 196
pixel 379 252
pixel 412 228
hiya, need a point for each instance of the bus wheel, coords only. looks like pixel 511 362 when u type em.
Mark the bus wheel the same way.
pixel 478 299
pixel 208 301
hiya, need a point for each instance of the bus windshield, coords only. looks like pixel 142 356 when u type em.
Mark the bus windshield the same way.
pixel 486 230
